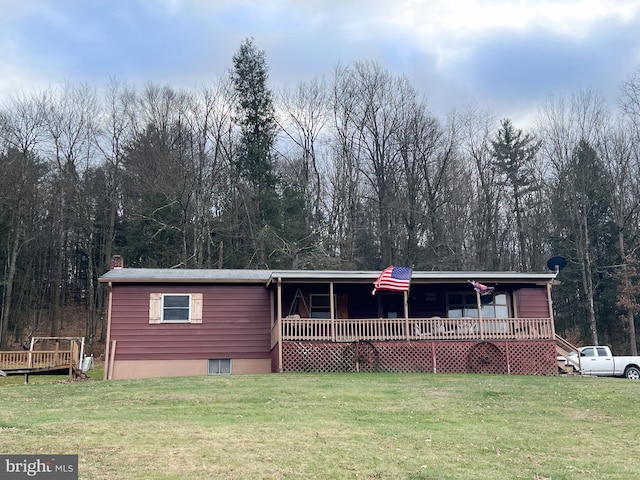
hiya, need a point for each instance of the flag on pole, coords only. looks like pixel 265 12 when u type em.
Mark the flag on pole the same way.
pixel 396 279
pixel 481 289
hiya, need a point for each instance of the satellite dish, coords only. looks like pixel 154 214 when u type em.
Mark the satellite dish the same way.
pixel 556 263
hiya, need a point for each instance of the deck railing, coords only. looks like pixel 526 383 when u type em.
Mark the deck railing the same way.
pixel 34 359
pixel 351 330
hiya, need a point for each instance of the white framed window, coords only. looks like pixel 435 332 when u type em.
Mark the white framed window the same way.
pixel 175 308
pixel 495 306
pixel 219 366
pixel 465 305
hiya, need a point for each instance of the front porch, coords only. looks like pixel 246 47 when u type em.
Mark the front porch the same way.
pixel 332 323
pixel 295 328
pixel 430 345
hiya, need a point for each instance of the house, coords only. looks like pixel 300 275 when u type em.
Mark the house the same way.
pixel 168 322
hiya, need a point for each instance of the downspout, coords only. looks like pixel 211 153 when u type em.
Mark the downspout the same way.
pixel 279 320
pixel 105 374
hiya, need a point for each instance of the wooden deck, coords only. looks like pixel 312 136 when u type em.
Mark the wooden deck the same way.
pixel 35 360
pixel 376 329
pixel 38 362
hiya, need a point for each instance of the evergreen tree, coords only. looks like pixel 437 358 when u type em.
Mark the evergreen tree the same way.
pixel 256 189
pixel 514 154
pixel 586 233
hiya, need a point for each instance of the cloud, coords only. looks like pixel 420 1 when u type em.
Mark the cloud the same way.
pixel 517 69
pixel 504 55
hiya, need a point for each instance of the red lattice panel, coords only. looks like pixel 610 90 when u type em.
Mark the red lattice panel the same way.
pixel 533 358
pixel 523 357
pixel 316 357
pixel 404 356
pixel 487 357
pixel 451 357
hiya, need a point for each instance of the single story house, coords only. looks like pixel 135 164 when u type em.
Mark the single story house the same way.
pixel 170 322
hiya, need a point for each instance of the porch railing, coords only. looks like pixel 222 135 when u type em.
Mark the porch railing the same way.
pixel 31 359
pixel 350 330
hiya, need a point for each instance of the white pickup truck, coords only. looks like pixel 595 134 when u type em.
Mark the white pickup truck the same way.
pixel 599 361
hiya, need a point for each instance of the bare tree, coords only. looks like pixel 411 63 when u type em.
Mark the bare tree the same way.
pixel 159 180
pixel 379 111
pixel 569 134
pixel 20 132
pixel 70 116
pixel 347 219
pixel 210 119
pixel 485 236
pixel 428 151
pixel 304 116
pixel 623 160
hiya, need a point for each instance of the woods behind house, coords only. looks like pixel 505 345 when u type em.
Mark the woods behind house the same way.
pixel 347 171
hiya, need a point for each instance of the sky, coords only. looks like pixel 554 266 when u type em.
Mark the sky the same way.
pixel 503 56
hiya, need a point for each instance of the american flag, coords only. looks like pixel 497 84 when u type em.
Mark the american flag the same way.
pixel 481 289
pixel 396 279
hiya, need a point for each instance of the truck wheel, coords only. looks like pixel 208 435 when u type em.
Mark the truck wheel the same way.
pixel 632 373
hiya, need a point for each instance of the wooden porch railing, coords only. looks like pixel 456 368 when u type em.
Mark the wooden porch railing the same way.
pixel 351 330
pixel 35 359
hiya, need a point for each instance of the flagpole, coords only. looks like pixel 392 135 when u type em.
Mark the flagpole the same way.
pixel 479 301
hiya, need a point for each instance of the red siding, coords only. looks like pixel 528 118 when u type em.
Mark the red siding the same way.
pixel 532 303
pixel 235 324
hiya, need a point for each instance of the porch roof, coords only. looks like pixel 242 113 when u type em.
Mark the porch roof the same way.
pixel 417 276
pixel 168 275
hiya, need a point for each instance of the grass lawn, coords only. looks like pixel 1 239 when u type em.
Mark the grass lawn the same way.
pixel 330 426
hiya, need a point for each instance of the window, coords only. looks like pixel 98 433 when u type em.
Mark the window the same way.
pixel 495 306
pixel 319 306
pixel 175 308
pixel 220 366
pixel 461 305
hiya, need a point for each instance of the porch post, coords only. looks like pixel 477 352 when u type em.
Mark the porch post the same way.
pixel 331 307
pixel 479 313
pixel 405 295
pixel 550 303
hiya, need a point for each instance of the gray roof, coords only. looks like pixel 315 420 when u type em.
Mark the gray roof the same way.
pixel 168 275
pixel 183 275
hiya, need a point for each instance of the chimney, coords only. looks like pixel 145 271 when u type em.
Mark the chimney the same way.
pixel 116 262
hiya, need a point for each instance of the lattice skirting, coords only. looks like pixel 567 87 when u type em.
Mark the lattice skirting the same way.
pixel 519 357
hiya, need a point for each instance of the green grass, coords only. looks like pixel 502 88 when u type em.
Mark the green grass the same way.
pixel 330 426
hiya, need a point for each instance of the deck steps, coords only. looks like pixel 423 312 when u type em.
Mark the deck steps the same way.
pixel 567 364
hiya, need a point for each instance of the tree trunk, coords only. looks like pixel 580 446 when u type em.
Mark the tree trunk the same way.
pixel 587 283
pixel 9 279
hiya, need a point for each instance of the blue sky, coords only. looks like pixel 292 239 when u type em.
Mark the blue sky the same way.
pixel 504 56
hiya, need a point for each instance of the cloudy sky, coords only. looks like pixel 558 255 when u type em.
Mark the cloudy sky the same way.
pixel 505 56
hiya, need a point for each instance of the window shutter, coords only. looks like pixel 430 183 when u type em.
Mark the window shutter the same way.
pixel 155 307
pixel 196 308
